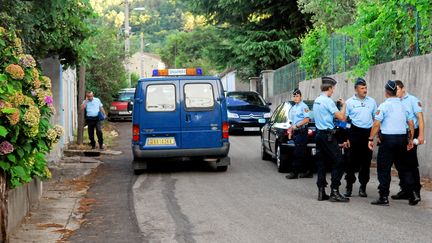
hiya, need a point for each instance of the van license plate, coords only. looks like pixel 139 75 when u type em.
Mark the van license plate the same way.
pixel 160 141
pixel 251 129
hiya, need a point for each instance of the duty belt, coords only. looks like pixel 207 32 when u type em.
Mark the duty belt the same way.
pixel 327 131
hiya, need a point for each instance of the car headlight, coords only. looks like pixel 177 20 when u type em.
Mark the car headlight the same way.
pixel 113 108
pixel 233 115
pixel 267 115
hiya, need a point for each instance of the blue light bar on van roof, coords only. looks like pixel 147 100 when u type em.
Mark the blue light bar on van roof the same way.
pixel 178 72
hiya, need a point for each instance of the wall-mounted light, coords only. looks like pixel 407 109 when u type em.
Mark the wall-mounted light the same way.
pixel 393 72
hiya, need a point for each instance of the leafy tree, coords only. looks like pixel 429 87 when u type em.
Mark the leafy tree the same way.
pixel 330 13
pixel 50 27
pixel 106 73
pixel 256 35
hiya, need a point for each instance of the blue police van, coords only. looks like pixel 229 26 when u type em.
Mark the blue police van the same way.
pixel 178 113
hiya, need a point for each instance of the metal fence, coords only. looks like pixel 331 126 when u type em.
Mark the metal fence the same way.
pixel 340 55
pixel 288 77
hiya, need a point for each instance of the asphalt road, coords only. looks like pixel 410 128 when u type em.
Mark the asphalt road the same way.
pixel 251 202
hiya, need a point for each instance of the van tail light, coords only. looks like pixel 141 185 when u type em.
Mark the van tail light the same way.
pixel 225 128
pixel 135 132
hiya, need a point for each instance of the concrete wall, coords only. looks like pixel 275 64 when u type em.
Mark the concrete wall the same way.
pixel 416 73
pixel 20 200
pixel 267 77
pixel 64 89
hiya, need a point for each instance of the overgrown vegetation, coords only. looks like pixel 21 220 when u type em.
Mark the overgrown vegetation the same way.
pixel 381 31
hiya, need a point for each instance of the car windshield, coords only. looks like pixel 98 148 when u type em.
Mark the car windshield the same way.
pixel 126 96
pixel 245 99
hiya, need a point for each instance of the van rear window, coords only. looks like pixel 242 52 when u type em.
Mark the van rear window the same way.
pixel 160 98
pixel 199 96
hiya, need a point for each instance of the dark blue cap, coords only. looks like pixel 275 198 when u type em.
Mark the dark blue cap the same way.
pixel 360 81
pixel 297 91
pixel 328 80
pixel 390 85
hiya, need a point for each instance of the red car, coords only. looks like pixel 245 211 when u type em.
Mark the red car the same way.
pixel 121 107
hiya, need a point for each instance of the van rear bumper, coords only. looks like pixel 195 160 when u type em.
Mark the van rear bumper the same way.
pixel 171 153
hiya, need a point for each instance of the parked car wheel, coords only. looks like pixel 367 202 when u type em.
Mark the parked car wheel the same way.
pixel 280 162
pixel 264 154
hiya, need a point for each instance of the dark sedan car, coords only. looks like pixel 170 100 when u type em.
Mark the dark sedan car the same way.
pixel 247 111
pixel 274 137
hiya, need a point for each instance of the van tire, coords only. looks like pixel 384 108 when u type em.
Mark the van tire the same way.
pixel 222 168
pixel 139 166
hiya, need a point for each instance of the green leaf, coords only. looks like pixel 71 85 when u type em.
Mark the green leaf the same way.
pixel 10 88
pixel 3 77
pixel 27 147
pixel 5 166
pixel 8 110
pixel 42 145
pixel 3 131
pixel 20 152
pixel 19 171
pixel 11 158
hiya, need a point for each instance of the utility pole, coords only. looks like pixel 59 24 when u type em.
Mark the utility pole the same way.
pixel 81 94
pixel 127 42
pixel 142 56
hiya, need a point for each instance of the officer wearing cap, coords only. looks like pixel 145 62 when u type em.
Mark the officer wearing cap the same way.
pixel 299 117
pixel 413 105
pixel 391 118
pixel 360 110
pixel 325 111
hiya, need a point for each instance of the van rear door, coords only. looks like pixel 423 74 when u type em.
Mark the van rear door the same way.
pixel 201 114
pixel 160 122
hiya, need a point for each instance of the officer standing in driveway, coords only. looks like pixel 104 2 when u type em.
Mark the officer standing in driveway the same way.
pixel 325 111
pixel 360 110
pixel 391 118
pixel 414 106
pixel 299 116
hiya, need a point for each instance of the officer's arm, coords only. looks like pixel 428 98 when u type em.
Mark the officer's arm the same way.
pixel 340 115
pixel 374 131
pixel 411 130
pixel 304 122
pixel 421 127
pixel 84 104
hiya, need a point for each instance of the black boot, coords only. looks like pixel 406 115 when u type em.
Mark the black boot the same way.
pixel 362 191
pixel 292 175
pixel 401 195
pixel 381 201
pixel 335 196
pixel 322 195
pixel 307 174
pixel 415 198
pixel 348 191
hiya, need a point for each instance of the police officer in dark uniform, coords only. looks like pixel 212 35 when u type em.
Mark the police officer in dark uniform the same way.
pixel 299 117
pixel 325 111
pixel 360 110
pixel 413 105
pixel 391 118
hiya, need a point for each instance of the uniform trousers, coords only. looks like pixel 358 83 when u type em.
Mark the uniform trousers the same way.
pixel 300 149
pixel 413 166
pixel 328 150
pixel 393 149
pixel 360 156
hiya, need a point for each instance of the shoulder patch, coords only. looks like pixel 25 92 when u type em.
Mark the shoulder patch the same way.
pixel 306 110
pixel 419 104
pixel 377 112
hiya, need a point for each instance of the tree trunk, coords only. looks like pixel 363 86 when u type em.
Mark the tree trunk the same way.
pixel 3 207
pixel 81 96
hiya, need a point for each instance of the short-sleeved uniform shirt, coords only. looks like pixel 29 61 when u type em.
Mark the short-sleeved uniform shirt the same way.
pixel 413 105
pixel 393 117
pixel 298 113
pixel 324 109
pixel 361 111
pixel 93 107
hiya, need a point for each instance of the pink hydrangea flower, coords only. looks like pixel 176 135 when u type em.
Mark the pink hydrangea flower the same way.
pixel 48 100
pixel 6 148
